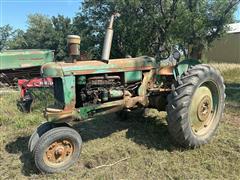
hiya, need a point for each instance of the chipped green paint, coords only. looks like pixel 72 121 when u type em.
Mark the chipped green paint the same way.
pixel 89 111
pixel 183 66
pixel 57 118
pixel 15 59
pixel 81 80
pixel 69 89
pixel 84 111
pixel 52 70
pixel 142 69
pixel 98 67
pixel 132 76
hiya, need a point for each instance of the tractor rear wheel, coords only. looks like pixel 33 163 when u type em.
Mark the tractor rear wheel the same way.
pixel 196 105
pixel 57 149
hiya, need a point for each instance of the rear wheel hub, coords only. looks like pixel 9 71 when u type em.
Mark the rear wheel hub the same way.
pixel 204 108
pixel 201 110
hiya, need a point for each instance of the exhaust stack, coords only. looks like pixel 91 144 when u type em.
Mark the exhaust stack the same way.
pixel 108 38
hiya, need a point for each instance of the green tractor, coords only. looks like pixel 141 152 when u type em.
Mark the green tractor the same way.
pixel 193 95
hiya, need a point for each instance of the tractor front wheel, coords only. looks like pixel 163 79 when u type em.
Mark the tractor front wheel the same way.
pixel 38 133
pixel 195 106
pixel 57 149
pixel 43 128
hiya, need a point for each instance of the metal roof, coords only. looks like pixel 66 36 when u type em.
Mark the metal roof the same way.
pixel 234 28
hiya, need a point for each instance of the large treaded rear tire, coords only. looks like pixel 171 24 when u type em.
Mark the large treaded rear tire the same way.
pixel 179 103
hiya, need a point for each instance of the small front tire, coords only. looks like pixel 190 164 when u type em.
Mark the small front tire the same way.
pixel 43 128
pixel 57 149
pixel 38 133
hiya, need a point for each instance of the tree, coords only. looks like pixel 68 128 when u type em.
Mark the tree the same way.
pixel 44 33
pixel 201 22
pixel 49 33
pixel 131 35
pixel 62 27
pixel 143 28
pixel 5 34
pixel 90 32
pixel 40 32
pixel 147 25
pixel 18 40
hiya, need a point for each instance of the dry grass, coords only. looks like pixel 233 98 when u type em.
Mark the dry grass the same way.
pixel 144 141
pixel 229 71
pixel 225 66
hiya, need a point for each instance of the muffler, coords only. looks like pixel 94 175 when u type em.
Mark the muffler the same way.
pixel 108 39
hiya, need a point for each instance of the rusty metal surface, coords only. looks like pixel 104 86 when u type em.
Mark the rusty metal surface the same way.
pixel 131 102
pixel 70 113
pixel 97 67
pixel 204 108
pixel 10 77
pixel 73 42
pixel 160 89
pixel 59 152
pixel 147 82
pixel 22 64
pixel 166 71
pixel 16 59
pixel 60 115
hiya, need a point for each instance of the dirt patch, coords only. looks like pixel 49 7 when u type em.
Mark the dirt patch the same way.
pixel 232 119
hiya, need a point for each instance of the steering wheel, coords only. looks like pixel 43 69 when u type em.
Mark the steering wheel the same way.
pixel 164 53
pixel 160 52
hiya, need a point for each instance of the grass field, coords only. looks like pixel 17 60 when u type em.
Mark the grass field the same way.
pixel 140 148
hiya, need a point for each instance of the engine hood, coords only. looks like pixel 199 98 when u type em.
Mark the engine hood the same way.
pixel 60 69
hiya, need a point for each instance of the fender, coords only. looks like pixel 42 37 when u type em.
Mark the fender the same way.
pixel 183 66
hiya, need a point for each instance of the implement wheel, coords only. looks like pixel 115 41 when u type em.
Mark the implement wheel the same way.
pixel 195 106
pixel 57 149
